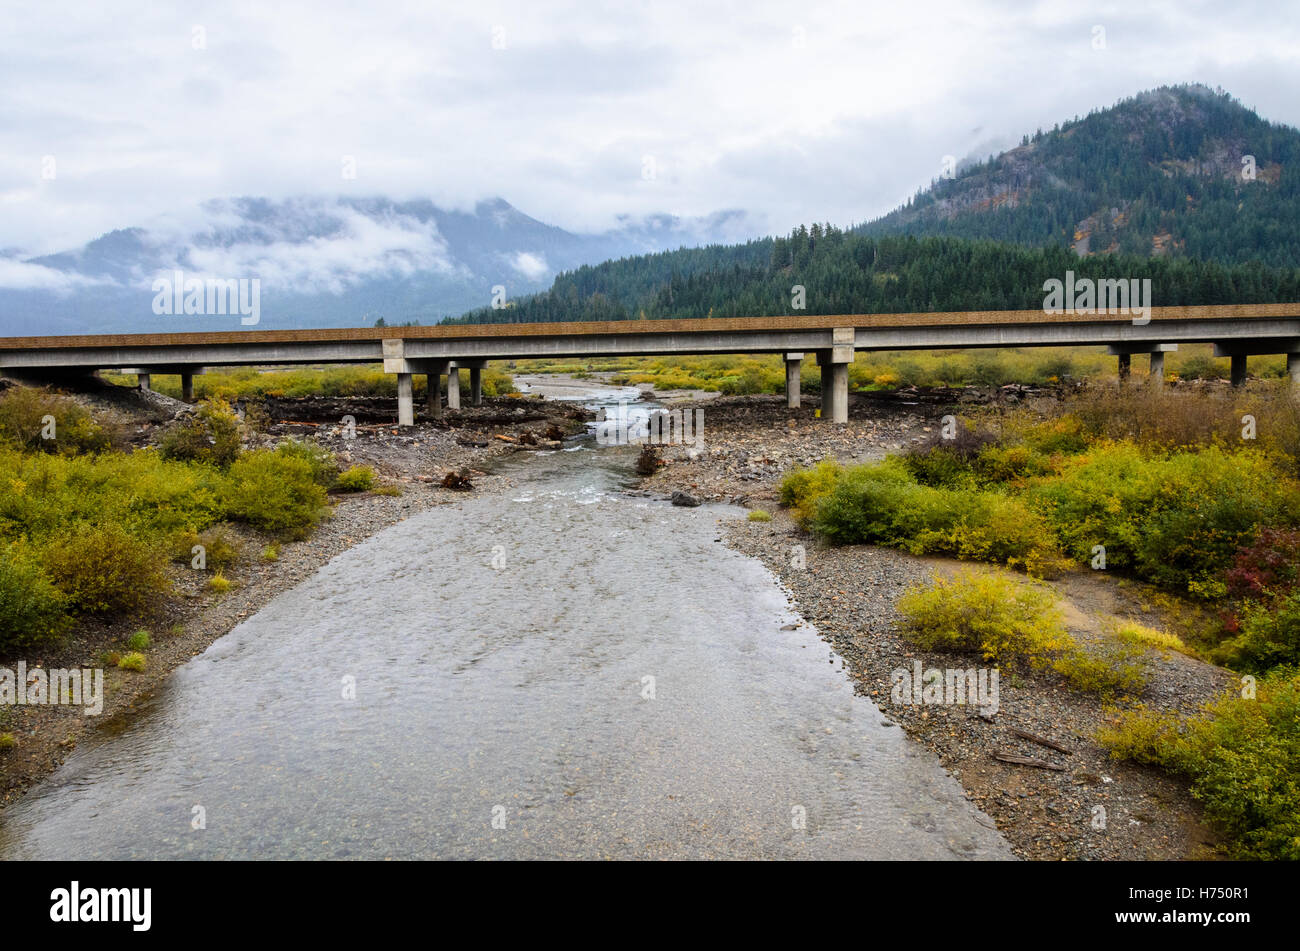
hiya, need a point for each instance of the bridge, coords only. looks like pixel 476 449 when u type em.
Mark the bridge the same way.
pixel 1237 331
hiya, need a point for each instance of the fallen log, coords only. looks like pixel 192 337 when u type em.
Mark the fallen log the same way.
pixel 1025 761
pixel 1040 740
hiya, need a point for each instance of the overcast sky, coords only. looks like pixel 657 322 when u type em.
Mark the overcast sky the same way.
pixel 573 112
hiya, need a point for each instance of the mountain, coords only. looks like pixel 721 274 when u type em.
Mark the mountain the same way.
pixel 1150 188
pixel 1181 171
pixel 322 262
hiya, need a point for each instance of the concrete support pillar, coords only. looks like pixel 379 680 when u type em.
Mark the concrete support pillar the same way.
pixel 475 386
pixel 793 365
pixel 1238 369
pixel 839 393
pixel 1157 375
pixel 824 365
pixel 453 387
pixel 433 395
pixel 405 402
pixel 1125 364
pixel 1293 369
pixel 143 380
pixel 187 387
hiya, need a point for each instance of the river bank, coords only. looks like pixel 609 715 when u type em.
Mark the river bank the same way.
pixel 411 461
pixel 1083 805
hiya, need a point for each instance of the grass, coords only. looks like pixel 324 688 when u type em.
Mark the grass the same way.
pixel 134 661
pixel 760 515
pixel 219 584
pixel 737 374
pixel 139 641
pixel 255 383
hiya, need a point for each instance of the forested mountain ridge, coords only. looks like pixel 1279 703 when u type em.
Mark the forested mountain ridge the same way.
pixel 1154 187
pixel 1182 171
pixel 845 273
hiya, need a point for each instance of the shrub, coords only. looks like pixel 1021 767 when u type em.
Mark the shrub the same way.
pixel 132 661
pixel 7 742
pixel 219 583
pixel 211 435
pixel 1175 518
pixel 1242 757
pixel 105 570
pixel 276 491
pixel 1140 635
pixel 1268 635
pixel 1002 619
pixel 221 548
pixel 24 415
pixel 139 641
pixel 271 553
pixel 320 461
pixel 881 504
pixel 1103 669
pixel 1268 564
pixel 32 609
pixel 759 515
pixel 355 479
pixel 803 488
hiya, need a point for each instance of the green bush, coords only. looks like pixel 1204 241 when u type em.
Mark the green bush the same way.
pixel 133 661
pixel 1103 669
pixel 355 479
pixel 211 435
pixel 1269 636
pixel 1004 620
pixel 139 641
pixel 105 570
pixel 882 504
pixel 323 466
pixel 802 489
pixel 25 414
pixel 1242 757
pixel 1174 518
pixel 276 491
pixel 221 548
pixel 32 609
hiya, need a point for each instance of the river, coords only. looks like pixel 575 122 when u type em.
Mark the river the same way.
pixel 562 671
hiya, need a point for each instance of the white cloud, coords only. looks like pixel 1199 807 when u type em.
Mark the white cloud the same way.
pixel 24 276
pixel 530 265
pixel 735 111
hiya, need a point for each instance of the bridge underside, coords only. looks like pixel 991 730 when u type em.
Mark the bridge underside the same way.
pixel 1236 331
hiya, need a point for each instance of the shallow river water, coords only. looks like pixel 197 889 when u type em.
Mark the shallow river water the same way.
pixel 561 671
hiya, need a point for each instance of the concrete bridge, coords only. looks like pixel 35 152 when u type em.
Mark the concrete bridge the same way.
pixel 1237 331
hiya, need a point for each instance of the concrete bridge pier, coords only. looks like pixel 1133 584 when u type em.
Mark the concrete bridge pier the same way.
pixel 834 364
pixel 453 386
pixel 144 380
pixel 793 365
pixel 1293 369
pixel 475 386
pixel 187 387
pixel 1124 351
pixel 1238 369
pixel 405 400
pixel 1156 375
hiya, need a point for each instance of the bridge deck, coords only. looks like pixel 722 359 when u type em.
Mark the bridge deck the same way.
pixel 713 325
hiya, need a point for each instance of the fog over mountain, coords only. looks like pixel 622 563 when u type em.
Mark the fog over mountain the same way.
pixel 324 262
